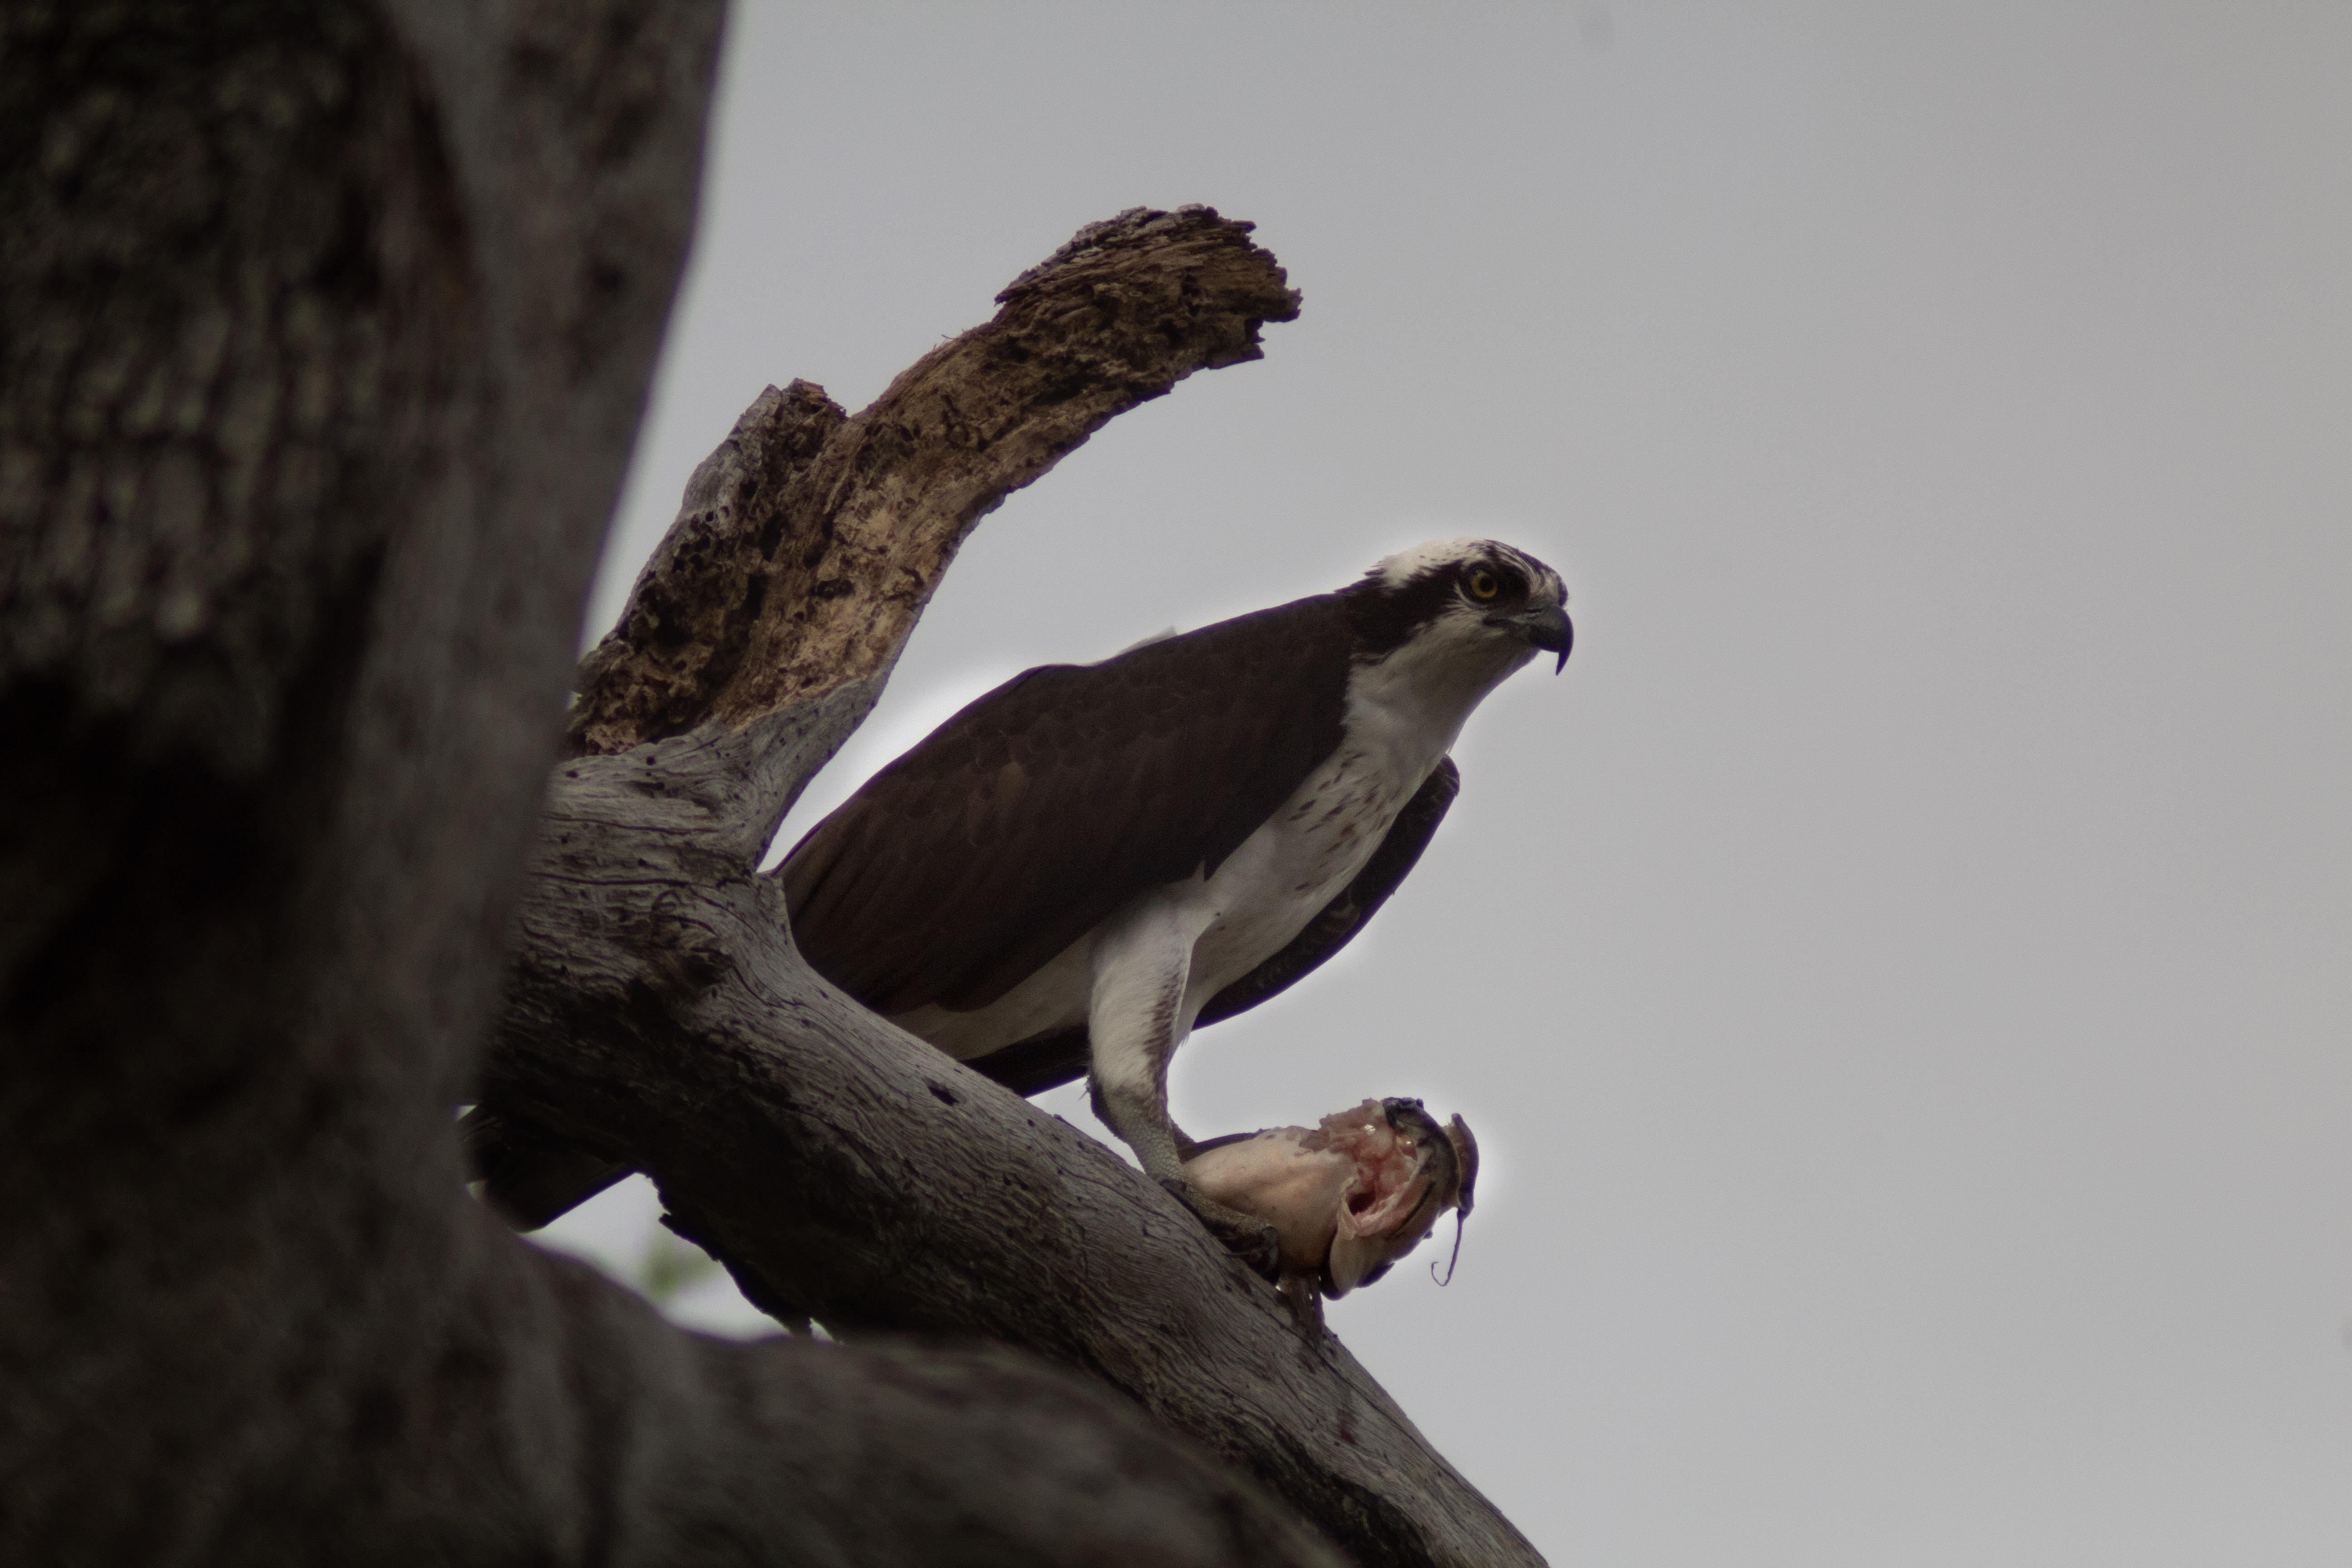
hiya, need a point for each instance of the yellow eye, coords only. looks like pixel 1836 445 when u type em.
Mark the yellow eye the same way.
pixel 1483 583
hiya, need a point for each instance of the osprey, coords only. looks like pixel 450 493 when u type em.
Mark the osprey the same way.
pixel 1081 866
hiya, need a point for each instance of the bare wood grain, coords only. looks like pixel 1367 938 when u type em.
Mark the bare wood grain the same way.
pixel 809 543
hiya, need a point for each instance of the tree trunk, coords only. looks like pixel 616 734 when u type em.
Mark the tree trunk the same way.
pixel 324 333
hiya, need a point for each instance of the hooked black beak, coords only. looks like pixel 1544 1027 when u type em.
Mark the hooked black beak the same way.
pixel 1546 627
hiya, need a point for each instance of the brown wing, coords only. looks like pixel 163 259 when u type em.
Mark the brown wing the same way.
pixel 1044 1061
pixel 1018 825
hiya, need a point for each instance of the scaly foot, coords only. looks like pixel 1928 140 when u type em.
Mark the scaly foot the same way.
pixel 1245 1236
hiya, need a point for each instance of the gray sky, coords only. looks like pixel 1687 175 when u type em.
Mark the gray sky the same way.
pixel 1899 973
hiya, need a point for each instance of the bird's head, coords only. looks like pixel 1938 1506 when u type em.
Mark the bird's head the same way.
pixel 1473 602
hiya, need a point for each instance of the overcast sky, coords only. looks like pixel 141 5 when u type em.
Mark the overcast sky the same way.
pixel 1900 974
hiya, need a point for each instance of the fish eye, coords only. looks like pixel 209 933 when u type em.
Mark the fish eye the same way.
pixel 1483 583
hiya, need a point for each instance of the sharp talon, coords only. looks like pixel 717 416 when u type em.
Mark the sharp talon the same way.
pixel 1306 1305
pixel 1246 1237
pixel 1262 1252
pixel 1256 1244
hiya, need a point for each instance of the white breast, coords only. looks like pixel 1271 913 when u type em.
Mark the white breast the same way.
pixel 1403 715
pixel 1311 848
pixel 1261 895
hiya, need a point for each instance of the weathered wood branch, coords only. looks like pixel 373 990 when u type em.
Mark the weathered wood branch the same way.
pixel 808 544
pixel 658 1017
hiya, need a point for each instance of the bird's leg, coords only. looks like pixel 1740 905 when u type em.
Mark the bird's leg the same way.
pixel 1133 1118
pixel 1136 1020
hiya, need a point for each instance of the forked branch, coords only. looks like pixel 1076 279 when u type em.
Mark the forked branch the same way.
pixel 657 1017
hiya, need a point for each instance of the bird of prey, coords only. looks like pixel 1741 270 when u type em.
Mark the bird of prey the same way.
pixel 1076 870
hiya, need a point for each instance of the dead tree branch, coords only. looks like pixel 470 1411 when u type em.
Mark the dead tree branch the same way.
pixel 657 1017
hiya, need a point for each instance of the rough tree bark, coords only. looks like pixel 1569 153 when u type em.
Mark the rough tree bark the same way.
pixel 324 330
